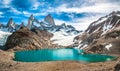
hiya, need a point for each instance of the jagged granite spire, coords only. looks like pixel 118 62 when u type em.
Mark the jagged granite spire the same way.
pixel 22 24
pixel 10 22
pixel 11 25
pixel 49 19
pixel 30 21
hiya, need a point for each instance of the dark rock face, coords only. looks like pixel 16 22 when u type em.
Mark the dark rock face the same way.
pixel 112 34
pixel 49 19
pixel 117 67
pixel 30 22
pixel 49 25
pixel 26 39
pixel 10 27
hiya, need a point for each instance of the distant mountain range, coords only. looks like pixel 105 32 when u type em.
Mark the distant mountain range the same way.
pixel 48 24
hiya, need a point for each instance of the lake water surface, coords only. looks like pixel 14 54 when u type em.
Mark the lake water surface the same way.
pixel 59 55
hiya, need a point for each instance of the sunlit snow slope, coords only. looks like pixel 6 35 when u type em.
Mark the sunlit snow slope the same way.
pixel 62 38
pixel 3 37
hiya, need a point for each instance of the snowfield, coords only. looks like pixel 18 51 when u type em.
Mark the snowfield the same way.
pixel 62 38
pixel 3 37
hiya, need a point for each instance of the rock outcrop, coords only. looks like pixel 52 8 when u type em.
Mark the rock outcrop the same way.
pixel 29 39
pixel 49 19
pixel 30 22
pixel 117 66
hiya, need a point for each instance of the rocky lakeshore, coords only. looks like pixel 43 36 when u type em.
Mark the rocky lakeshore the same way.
pixel 8 64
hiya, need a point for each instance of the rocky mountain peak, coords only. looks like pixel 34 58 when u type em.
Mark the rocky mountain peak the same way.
pixel 49 19
pixel 11 25
pixel 63 25
pixel 105 23
pixel 22 24
pixel 102 36
pixel 30 21
pixel 10 22
pixel 31 17
pixel 49 25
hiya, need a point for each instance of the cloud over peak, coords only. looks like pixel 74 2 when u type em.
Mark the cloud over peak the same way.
pixel 74 12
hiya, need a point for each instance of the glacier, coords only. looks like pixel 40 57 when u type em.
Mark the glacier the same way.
pixel 3 37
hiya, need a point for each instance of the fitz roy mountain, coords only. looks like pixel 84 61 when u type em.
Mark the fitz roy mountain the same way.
pixel 64 31
pixel 49 25
pixel 102 35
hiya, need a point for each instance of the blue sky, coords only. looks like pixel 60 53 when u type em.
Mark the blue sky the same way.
pixel 79 13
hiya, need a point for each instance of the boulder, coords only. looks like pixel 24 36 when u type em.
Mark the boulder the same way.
pixel 117 67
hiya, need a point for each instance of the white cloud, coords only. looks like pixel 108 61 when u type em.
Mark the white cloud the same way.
pixel 1 13
pixel 97 8
pixel 36 4
pixel 78 26
pixel 94 9
pixel 40 14
pixel 15 11
pixel 81 23
pixel 58 22
pixel 27 14
pixel 5 3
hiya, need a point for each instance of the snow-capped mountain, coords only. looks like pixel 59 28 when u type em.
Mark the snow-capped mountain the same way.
pixel 49 19
pixel 105 23
pixel 11 26
pixel 47 24
pixel 59 31
pixel 101 35
pixel 7 30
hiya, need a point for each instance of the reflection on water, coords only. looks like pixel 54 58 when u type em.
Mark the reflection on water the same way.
pixel 59 54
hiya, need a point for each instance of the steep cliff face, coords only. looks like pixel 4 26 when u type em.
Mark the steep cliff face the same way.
pixel 26 39
pixel 30 22
pixel 101 35
pixel 49 19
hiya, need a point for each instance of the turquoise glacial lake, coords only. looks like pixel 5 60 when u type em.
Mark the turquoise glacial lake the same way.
pixel 60 54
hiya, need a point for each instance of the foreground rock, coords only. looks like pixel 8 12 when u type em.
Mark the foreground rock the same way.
pixel 27 39
pixel 117 67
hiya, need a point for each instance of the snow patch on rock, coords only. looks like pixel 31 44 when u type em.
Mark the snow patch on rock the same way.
pixel 82 46
pixel 100 21
pixel 108 46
